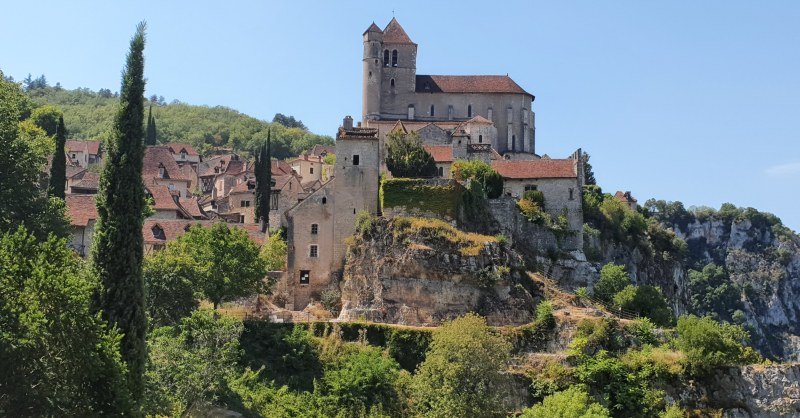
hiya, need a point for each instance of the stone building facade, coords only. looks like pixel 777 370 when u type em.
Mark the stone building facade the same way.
pixel 392 90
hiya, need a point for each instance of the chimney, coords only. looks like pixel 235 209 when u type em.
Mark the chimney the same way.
pixel 348 122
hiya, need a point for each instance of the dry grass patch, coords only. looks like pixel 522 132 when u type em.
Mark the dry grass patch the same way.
pixel 468 243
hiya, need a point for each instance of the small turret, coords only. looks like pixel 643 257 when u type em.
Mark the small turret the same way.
pixel 372 69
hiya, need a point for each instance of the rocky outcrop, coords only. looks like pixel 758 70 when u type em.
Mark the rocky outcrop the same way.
pixel 422 278
pixel 746 392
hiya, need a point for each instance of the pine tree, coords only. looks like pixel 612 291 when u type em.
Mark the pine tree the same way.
pixel 118 245
pixel 58 169
pixel 263 173
pixel 151 128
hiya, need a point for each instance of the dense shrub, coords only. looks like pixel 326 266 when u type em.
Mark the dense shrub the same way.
pixel 646 301
pixel 574 402
pixel 594 336
pixel 709 344
pixel 410 194
pixel 478 171
pixel 535 196
pixel 286 352
pixel 712 293
pixel 613 278
pixel 406 158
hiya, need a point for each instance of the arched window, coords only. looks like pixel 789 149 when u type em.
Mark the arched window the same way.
pixel 480 139
pixel 391 82
pixel 469 111
pixel 394 58
pixel 433 111
pixel 386 58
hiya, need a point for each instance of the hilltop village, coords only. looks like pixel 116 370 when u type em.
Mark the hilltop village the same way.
pixel 489 118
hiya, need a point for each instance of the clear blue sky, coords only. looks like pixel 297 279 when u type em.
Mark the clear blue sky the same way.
pixel 679 100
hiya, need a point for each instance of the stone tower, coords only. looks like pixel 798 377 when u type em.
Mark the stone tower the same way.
pixel 356 181
pixel 372 66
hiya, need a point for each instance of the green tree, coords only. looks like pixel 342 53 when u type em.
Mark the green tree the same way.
pixel 225 264
pixel 711 292
pixel 360 380
pixel 170 290
pixel 47 117
pixel 288 121
pixel 21 199
pixel 573 402
pixel 613 278
pixel 58 169
pixel 118 245
pixel 274 252
pixel 647 301
pixel 150 139
pixel 263 174
pixel 588 173
pixel 463 372
pixel 476 170
pixel 189 364
pixel 405 156
pixel 708 344
pixel 57 358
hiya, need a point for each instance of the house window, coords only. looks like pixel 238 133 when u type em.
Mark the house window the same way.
pixel 571 194
pixel 441 171
pixel 241 219
pixel 183 155
pixel 480 139
pixel 315 227
pixel 158 232
pixel 273 204
pixel 162 172
pixel 313 251
pixel 73 156
pixel 410 112
pixel 450 112
pixel 324 200
pixel 394 58
pixel 529 187
pixel 311 170
pixel 469 111
pixel 304 276
pixel 245 204
pixel 355 159
pixel 433 111
pixel 391 82
pixel 386 58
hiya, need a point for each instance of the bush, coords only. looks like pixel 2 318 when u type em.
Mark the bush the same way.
pixel 478 171
pixel 643 331
pixel 533 212
pixel 594 336
pixel 712 293
pixel 544 314
pixel 646 301
pixel 363 222
pixel 574 402
pixel 613 279
pixel 709 345
pixel 406 158
pixel 535 196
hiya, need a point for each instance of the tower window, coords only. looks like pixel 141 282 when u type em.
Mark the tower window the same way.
pixel 433 111
pixel 355 159
pixel 324 200
pixel 469 111
pixel 304 277
pixel 489 114
pixel 480 139
pixel 386 58
pixel 513 142
pixel 315 227
pixel 441 171
pixel 391 82
pixel 313 251
pixel 311 170
pixel 410 112
pixel 394 58
pixel 571 194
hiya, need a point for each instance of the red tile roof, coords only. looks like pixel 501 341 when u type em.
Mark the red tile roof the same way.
pixel 468 84
pixel 372 28
pixel 281 168
pixel 89 147
pixel 440 153
pixel 87 180
pixel 244 187
pixel 322 150
pixel 176 147
pixel 80 209
pixel 155 158
pixel 163 198
pixel 395 34
pixel 174 228
pixel 535 169
pixel 192 206
pixel 625 197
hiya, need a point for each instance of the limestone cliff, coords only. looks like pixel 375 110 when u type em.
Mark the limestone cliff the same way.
pixel 423 271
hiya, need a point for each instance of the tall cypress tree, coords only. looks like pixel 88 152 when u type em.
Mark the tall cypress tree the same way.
pixel 118 245
pixel 151 128
pixel 58 169
pixel 263 173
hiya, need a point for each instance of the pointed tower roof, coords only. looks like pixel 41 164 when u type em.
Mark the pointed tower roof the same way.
pixel 372 28
pixel 394 34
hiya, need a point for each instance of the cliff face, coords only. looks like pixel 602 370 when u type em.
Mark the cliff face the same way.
pixel 423 276
pixel 762 266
